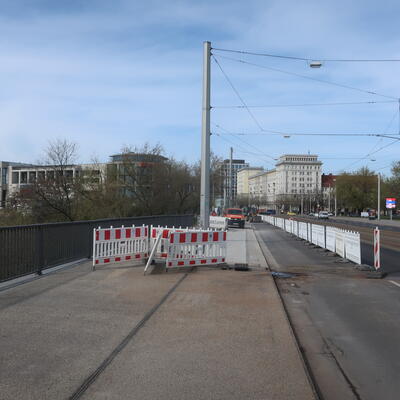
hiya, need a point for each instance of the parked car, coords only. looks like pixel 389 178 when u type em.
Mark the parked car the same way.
pixel 291 213
pixel 323 215
pixel 330 214
pixel 235 217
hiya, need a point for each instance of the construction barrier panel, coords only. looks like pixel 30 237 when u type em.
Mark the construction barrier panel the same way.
pixel 339 243
pixel 303 230
pixel 314 234
pixel 346 244
pixel 193 248
pixel 119 244
pixel 330 238
pixel 377 249
pixel 352 246
pixel 218 223
pixel 162 247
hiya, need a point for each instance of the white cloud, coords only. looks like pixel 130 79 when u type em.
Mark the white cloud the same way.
pixel 131 73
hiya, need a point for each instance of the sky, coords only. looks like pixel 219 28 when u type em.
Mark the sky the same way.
pixel 108 74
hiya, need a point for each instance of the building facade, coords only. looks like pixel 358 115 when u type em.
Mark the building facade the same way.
pixel 295 177
pixel 228 190
pixel 129 170
pixel 243 176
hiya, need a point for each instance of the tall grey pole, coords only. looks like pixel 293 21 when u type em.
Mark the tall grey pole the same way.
pixel 335 202
pixel 205 140
pixel 230 180
pixel 379 196
pixel 329 198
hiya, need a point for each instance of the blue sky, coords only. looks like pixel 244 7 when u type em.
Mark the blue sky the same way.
pixel 107 74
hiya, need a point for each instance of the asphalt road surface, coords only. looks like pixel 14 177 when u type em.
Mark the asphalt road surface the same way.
pixel 348 326
pixel 390 241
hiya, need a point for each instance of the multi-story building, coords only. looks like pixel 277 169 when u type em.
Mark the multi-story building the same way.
pixel 243 179
pixel 228 188
pixel 295 176
pixel 262 186
pixel 130 170
pixel 7 177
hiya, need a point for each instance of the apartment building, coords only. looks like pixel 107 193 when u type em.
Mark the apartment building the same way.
pixel 228 189
pixel 295 175
pixel 243 176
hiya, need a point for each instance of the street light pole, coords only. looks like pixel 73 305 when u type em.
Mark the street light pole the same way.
pixel 230 179
pixel 329 198
pixel 205 140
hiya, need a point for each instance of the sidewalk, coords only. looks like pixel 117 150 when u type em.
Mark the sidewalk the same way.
pixel 220 334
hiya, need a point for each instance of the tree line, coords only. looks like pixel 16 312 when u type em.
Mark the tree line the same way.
pixel 157 185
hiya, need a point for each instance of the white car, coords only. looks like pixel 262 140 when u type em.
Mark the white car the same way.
pixel 323 215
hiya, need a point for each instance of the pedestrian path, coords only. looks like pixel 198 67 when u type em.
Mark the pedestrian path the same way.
pixel 117 334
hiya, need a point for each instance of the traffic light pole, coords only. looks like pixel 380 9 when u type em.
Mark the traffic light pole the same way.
pixel 205 140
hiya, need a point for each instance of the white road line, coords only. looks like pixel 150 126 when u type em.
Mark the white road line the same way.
pixel 395 283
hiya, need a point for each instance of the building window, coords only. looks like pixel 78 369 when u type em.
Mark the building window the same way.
pixel 24 177
pixel 32 176
pixel 15 178
pixel 4 176
pixel 41 176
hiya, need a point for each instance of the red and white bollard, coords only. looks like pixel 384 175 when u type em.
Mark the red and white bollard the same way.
pixel 377 249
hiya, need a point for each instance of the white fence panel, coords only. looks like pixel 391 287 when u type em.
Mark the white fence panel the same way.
pixel 295 228
pixel 321 236
pixel 352 246
pixel 339 243
pixel 314 234
pixel 303 230
pixel 330 238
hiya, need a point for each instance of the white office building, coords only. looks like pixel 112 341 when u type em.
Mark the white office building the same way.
pixel 243 176
pixel 295 176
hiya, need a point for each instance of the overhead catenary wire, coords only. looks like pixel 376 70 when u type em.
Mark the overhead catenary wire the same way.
pixel 231 142
pixel 308 104
pixel 376 144
pixel 288 134
pixel 306 77
pixel 251 53
pixel 248 144
pixel 238 95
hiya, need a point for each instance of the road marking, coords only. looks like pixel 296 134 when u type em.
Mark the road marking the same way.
pixel 395 283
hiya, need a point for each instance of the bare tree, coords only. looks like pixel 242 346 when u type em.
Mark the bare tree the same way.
pixel 51 195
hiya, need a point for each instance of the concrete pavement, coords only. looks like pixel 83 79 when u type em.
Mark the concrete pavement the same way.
pixel 116 334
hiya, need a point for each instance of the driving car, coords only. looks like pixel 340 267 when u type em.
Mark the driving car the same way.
pixel 323 215
pixel 235 217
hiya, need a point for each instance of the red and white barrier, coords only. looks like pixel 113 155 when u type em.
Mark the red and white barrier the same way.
pixel 162 247
pixel 119 244
pixel 377 248
pixel 192 248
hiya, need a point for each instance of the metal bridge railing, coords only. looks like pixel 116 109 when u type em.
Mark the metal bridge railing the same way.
pixel 32 248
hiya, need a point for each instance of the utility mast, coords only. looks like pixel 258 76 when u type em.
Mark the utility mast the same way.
pixel 205 140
